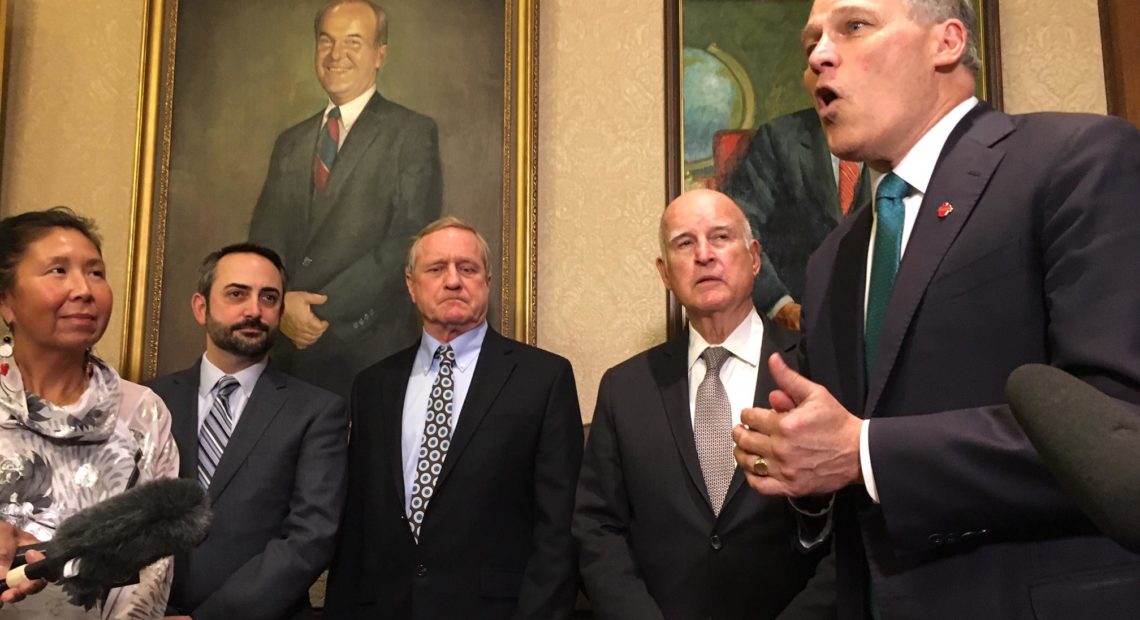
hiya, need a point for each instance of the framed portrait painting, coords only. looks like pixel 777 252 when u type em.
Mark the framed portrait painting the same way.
pixel 735 71
pixel 234 98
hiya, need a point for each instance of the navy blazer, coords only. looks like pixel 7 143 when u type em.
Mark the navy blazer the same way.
pixel 1036 262
pixel 495 541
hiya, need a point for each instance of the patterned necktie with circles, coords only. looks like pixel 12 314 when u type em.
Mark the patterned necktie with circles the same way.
pixel 712 428
pixel 437 438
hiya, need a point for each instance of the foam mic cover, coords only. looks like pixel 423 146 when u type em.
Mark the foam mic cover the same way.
pixel 114 539
pixel 1088 440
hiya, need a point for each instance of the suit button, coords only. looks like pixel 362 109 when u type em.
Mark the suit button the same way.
pixel 937 540
pixel 951 538
pixel 305 262
pixel 421 570
pixel 715 542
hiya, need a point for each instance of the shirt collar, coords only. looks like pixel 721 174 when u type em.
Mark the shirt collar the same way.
pixel 350 111
pixel 466 345
pixel 745 342
pixel 917 166
pixel 209 374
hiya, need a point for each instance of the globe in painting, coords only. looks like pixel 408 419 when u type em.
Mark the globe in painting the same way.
pixel 717 94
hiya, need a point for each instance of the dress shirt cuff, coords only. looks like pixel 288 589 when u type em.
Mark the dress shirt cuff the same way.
pixel 865 461
pixel 783 301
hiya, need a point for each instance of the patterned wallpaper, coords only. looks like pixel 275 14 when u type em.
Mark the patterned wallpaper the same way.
pixel 1052 56
pixel 71 122
pixel 70 119
pixel 601 182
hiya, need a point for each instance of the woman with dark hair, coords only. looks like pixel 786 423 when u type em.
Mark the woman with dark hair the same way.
pixel 72 432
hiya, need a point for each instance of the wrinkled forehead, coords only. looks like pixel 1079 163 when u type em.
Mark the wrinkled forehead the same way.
pixel 700 217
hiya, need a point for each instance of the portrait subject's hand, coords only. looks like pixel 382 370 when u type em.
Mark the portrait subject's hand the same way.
pixel 298 322
pixel 10 538
pixel 809 441
pixel 788 316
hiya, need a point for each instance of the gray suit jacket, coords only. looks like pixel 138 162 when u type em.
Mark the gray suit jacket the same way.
pixel 277 496
pixel 785 184
pixel 350 242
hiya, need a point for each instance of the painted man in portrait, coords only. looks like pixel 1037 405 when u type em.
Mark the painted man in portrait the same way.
pixel 345 190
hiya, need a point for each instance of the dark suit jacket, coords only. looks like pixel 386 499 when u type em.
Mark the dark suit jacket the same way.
pixel 276 494
pixel 1037 262
pixel 495 542
pixel 785 184
pixel 649 544
pixel 350 242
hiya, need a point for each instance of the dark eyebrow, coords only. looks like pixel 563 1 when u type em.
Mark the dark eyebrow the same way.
pixel 239 286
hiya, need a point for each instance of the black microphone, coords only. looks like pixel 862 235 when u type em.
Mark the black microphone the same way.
pixel 114 539
pixel 1089 441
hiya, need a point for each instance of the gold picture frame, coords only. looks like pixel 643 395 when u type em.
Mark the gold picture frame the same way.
pixel 149 284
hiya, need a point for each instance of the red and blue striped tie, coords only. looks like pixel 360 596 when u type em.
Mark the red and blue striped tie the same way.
pixel 327 144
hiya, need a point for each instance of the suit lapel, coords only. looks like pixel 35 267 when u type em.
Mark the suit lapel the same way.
pixel 848 284
pixel 669 366
pixel 394 391
pixel 492 370
pixel 364 131
pixel 966 164
pixel 266 401
pixel 184 424
pixel 816 164
pixel 775 341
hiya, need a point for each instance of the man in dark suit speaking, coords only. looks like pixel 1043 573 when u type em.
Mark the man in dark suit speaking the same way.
pixel 270 451
pixel 464 455
pixel 345 190
pixel 665 525
pixel 995 241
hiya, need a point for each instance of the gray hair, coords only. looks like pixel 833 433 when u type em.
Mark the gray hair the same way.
pixel 937 11
pixel 447 221
pixel 381 18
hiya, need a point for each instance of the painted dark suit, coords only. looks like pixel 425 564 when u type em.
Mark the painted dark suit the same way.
pixel 1037 262
pixel 785 184
pixel 277 496
pixel 495 542
pixel 350 242
pixel 650 546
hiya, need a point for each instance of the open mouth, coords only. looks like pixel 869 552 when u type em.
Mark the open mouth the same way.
pixel 824 97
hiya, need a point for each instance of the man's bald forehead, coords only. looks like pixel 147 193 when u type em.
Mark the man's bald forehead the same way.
pixel 704 197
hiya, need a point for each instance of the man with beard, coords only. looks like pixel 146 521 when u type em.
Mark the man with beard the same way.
pixel 269 450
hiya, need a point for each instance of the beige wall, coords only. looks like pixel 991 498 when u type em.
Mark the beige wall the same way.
pixel 70 120
pixel 71 124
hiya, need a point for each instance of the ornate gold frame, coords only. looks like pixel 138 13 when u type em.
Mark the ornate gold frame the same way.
pixel 147 235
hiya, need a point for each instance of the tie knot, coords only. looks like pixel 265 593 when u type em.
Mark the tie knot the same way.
pixel 334 113
pixel 714 358
pixel 445 354
pixel 892 187
pixel 226 386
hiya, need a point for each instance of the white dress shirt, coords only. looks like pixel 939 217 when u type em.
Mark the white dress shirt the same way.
pixel 208 376
pixel 349 112
pixel 739 371
pixel 425 368
pixel 916 168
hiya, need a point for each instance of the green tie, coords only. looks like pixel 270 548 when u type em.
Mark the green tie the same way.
pixel 885 264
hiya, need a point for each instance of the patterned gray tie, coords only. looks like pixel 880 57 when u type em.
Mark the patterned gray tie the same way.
pixel 437 438
pixel 712 428
pixel 216 430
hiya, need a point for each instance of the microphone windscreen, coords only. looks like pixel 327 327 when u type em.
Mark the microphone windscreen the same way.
pixel 1089 441
pixel 117 537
